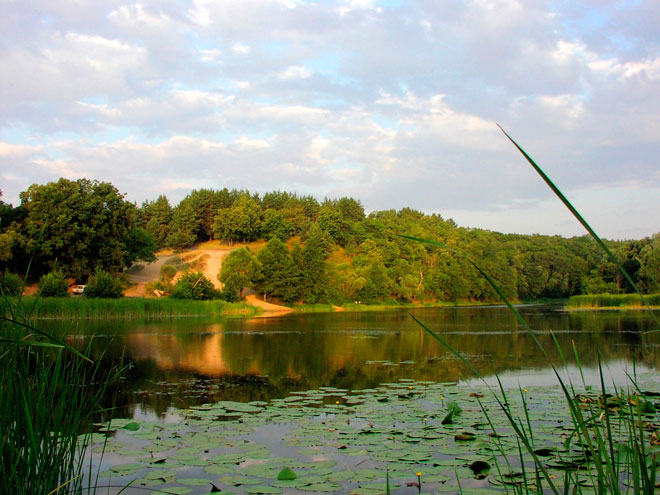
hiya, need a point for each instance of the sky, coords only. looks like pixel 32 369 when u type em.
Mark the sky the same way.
pixel 393 102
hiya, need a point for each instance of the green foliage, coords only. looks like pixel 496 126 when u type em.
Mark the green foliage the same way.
pixel 194 285
pixel 275 274
pixel 235 273
pixel 313 267
pixel 140 246
pixel 183 227
pixel 78 226
pixel 11 284
pixel 344 254
pixel 48 399
pixel 155 217
pixel 167 272
pixel 104 284
pixel 133 307
pixel 241 222
pixel 604 300
pixel 53 284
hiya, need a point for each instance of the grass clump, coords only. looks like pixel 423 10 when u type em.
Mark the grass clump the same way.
pixel 49 396
pixel 130 307
pixel 606 301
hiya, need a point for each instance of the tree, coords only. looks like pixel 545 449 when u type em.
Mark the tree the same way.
pixel 183 228
pixel 649 273
pixel 277 276
pixel 139 247
pixel 205 204
pixel 275 224
pixel 10 284
pixel 104 284
pixel 331 221
pixel 194 285
pixel 235 272
pixel 53 284
pixel 155 217
pixel 240 222
pixel 80 226
pixel 313 267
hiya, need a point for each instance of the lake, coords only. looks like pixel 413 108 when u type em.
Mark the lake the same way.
pixel 179 363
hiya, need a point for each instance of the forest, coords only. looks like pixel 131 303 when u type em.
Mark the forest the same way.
pixel 328 251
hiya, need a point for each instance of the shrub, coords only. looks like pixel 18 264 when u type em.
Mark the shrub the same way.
pixel 194 285
pixel 11 284
pixel 53 284
pixel 167 272
pixel 103 284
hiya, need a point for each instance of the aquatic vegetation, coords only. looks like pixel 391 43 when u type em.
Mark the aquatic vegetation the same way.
pixel 131 307
pixel 334 441
pixel 49 395
pixel 593 301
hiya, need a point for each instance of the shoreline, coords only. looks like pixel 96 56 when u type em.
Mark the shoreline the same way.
pixel 611 308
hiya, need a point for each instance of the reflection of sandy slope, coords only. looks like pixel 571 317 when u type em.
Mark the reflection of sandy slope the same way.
pixel 200 353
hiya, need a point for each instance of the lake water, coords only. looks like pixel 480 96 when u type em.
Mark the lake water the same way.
pixel 185 362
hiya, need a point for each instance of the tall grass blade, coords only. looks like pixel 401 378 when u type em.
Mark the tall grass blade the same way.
pixel 581 219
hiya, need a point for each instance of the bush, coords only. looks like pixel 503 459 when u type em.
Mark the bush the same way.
pixel 103 284
pixel 11 284
pixel 194 285
pixel 167 272
pixel 53 284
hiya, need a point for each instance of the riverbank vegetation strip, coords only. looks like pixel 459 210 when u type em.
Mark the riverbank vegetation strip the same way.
pixel 610 301
pixel 329 252
pixel 165 307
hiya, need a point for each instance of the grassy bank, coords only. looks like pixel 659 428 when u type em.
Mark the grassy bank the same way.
pixel 131 307
pixel 352 307
pixel 612 301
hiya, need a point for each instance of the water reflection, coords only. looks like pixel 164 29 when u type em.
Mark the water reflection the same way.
pixel 178 363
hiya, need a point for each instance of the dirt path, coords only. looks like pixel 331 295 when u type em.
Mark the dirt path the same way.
pixel 266 306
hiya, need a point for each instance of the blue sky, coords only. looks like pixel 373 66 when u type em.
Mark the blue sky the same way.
pixel 393 102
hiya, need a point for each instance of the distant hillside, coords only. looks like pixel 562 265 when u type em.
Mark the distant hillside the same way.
pixel 332 250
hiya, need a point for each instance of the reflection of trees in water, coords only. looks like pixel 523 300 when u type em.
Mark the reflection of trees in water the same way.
pixel 187 362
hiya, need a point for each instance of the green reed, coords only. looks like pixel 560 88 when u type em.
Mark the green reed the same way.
pixel 613 435
pixel 50 394
pixel 591 301
pixel 164 307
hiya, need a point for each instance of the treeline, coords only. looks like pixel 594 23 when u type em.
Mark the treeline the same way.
pixel 317 251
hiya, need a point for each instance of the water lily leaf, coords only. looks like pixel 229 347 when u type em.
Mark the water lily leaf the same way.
pixel 176 490
pixel 262 489
pixel 323 487
pixel 126 468
pixel 193 481
pixel 132 426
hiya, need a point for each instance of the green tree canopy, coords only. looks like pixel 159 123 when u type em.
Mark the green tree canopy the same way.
pixel 278 276
pixel 194 285
pixel 240 222
pixel 235 272
pixel 80 226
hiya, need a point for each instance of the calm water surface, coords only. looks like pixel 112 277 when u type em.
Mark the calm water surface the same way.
pixel 188 361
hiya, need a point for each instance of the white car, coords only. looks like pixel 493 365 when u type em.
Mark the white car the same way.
pixel 79 289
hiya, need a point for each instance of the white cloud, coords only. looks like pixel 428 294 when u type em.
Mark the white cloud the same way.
pixel 295 72
pixel 341 97
pixel 240 48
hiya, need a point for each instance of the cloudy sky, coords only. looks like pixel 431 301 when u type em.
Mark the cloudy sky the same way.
pixel 394 102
